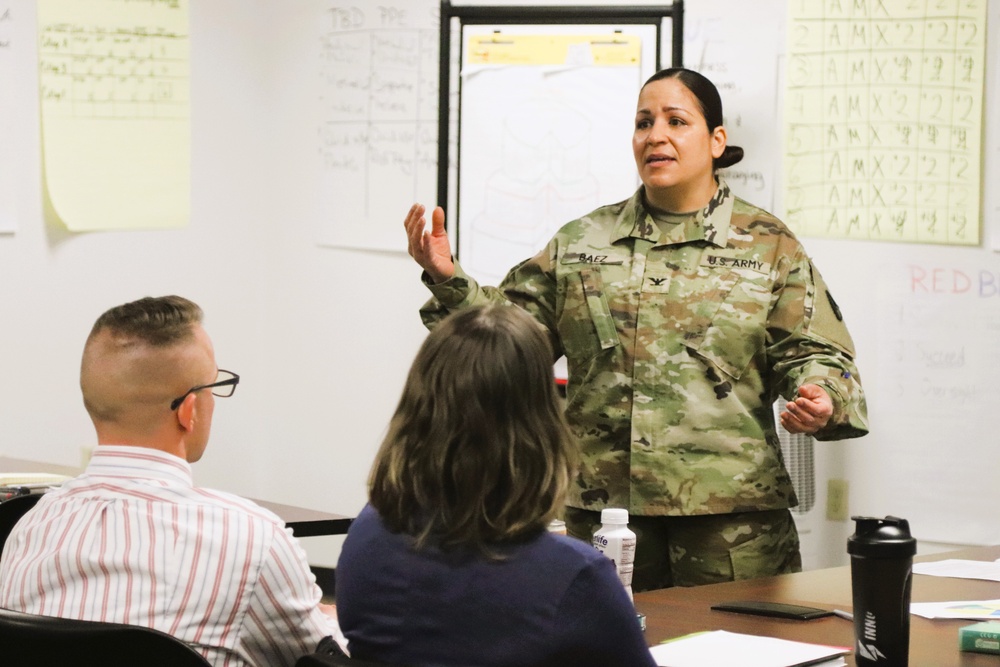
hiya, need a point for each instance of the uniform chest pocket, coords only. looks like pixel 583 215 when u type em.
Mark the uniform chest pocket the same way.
pixel 585 323
pixel 720 316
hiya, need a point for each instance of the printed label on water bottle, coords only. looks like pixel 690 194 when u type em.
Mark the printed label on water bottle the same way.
pixel 621 551
pixel 628 552
pixel 866 644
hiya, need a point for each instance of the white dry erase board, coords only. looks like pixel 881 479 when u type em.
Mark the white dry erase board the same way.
pixel 546 121
pixel 545 105
pixel 377 124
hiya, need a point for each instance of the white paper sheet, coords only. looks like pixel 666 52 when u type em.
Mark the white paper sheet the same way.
pixel 974 610
pixel 729 649
pixel 960 569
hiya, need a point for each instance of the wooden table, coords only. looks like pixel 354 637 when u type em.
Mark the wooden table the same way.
pixel 303 522
pixel 673 612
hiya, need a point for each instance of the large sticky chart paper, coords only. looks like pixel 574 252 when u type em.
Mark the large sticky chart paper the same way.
pixel 114 85
pixel 547 120
pixel 884 109
pixel 378 130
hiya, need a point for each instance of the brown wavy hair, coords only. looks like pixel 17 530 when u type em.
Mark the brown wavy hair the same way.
pixel 478 451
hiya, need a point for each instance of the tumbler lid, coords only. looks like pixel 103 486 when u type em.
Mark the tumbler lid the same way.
pixel 881 538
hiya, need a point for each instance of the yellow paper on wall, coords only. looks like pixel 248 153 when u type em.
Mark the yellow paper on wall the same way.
pixel 615 50
pixel 114 80
pixel 883 114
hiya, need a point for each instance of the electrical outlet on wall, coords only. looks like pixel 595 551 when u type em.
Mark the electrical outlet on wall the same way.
pixel 836 500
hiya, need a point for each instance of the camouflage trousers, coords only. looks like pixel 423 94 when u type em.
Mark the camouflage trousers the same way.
pixel 703 549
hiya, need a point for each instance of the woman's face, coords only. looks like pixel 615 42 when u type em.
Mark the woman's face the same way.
pixel 673 147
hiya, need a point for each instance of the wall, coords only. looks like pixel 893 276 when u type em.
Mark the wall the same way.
pixel 323 336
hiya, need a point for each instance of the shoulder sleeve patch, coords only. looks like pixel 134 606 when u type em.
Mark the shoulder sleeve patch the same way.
pixel 834 306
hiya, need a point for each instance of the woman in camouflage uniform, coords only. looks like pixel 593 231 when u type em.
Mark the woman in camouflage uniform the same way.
pixel 683 313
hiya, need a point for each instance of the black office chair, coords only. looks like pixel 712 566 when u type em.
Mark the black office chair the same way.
pixel 328 654
pixel 28 639
pixel 11 511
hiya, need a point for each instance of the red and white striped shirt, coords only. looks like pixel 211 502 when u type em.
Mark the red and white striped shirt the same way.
pixel 132 540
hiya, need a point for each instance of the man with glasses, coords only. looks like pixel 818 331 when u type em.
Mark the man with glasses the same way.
pixel 132 540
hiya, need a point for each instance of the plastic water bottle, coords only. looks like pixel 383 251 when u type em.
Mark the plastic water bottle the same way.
pixel 617 542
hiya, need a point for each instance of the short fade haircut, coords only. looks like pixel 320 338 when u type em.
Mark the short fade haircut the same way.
pixel 157 321
pixel 478 451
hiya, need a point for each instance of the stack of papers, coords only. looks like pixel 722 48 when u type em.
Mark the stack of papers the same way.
pixel 975 610
pixel 726 649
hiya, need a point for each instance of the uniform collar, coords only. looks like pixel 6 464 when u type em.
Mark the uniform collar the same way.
pixel 711 224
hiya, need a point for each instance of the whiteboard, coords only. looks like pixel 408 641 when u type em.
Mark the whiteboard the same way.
pixel 543 143
pixel 378 115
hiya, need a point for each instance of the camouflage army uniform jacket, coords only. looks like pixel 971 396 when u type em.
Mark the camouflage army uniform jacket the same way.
pixel 677 345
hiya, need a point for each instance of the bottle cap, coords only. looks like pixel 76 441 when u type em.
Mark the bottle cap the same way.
pixel 614 515
pixel 881 538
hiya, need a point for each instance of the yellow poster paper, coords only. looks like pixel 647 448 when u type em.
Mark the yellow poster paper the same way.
pixel 883 112
pixel 115 104
pixel 607 50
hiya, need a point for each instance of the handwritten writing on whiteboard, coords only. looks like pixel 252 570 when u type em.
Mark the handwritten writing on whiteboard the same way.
pixel 378 134
pixel 715 45
pixel 938 324
pixel 939 341
pixel 5 19
pixel 883 111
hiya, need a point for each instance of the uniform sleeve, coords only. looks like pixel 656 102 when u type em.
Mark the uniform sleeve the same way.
pixel 808 343
pixel 530 285
pixel 283 621
pixel 598 623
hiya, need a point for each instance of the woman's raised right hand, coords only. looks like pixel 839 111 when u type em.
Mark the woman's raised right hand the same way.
pixel 431 250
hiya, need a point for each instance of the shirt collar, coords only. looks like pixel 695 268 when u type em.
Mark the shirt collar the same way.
pixel 139 462
pixel 710 224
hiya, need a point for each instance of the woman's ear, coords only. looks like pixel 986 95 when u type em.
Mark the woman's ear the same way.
pixel 718 141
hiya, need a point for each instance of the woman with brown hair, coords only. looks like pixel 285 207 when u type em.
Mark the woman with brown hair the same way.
pixel 451 563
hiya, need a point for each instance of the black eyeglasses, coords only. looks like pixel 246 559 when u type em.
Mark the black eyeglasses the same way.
pixel 223 387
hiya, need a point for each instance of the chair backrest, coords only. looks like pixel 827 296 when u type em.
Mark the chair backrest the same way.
pixel 329 654
pixel 27 639
pixel 12 510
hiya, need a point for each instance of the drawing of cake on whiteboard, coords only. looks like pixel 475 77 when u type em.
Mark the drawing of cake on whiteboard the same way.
pixel 542 180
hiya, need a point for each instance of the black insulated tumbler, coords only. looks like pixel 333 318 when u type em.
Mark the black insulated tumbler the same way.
pixel 881 573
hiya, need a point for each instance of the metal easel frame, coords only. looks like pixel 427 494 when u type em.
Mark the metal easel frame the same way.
pixel 538 15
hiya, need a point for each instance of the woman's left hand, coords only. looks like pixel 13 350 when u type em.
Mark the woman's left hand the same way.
pixel 809 411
